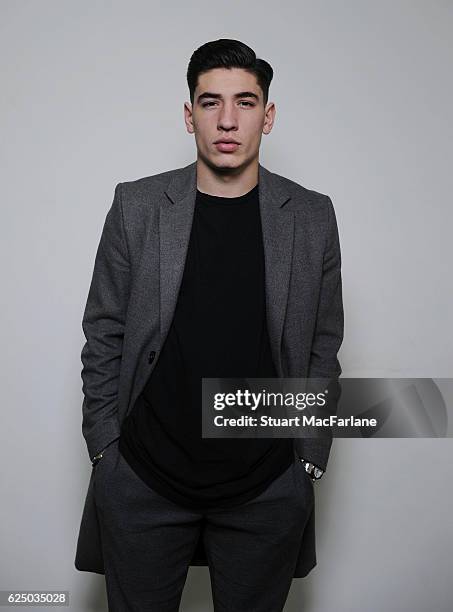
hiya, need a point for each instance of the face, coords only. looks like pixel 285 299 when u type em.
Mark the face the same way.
pixel 228 106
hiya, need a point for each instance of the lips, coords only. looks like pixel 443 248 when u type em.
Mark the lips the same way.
pixel 226 146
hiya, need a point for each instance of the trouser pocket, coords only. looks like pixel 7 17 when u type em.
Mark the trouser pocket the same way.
pixel 303 482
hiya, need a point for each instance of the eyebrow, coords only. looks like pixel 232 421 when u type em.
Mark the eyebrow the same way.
pixel 217 96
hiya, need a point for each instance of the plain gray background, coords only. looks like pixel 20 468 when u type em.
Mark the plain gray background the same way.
pixel 93 94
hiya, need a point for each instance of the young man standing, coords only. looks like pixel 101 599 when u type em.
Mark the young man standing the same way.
pixel 218 269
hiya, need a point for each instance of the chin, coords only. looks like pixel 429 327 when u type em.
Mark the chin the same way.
pixel 225 162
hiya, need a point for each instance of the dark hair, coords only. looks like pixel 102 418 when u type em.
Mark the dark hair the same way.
pixel 227 53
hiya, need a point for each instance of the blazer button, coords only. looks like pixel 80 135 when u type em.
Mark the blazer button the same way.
pixel 151 356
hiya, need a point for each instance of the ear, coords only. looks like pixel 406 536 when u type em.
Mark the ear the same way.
pixel 269 117
pixel 188 117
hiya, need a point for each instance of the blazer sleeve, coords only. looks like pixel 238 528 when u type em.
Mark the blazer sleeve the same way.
pixel 103 326
pixel 328 336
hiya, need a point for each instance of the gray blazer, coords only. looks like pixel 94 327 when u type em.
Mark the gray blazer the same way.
pixel 132 297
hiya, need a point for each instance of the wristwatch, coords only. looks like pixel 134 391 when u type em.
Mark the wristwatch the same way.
pixel 312 470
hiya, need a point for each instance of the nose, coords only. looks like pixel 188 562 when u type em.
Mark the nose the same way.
pixel 227 119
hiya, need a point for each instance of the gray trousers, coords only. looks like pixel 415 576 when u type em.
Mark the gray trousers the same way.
pixel 148 542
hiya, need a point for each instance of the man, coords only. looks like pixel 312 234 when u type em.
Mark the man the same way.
pixel 218 269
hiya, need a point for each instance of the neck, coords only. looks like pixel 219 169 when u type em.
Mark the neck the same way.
pixel 226 182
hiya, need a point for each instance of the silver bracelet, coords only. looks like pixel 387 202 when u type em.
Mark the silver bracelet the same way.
pixel 312 470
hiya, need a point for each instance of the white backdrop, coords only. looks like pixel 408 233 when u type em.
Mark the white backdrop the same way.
pixel 93 94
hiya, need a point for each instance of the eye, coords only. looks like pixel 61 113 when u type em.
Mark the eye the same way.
pixel 207 104
pixel 247 103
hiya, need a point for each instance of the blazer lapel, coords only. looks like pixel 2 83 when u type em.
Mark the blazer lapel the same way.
pixel 278 231
pixel 175 224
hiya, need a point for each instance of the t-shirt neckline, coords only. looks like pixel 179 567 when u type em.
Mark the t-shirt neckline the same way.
pixel 212 199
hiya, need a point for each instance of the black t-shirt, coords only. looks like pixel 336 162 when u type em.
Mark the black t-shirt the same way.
pixel 219 330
